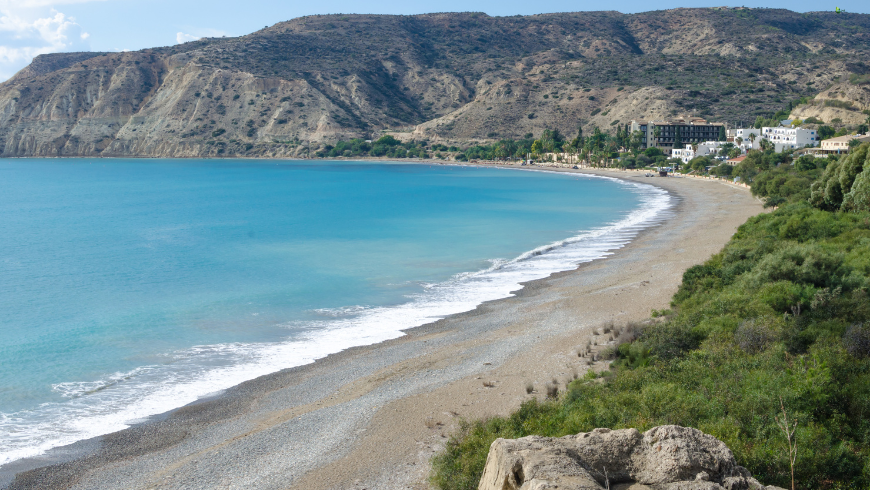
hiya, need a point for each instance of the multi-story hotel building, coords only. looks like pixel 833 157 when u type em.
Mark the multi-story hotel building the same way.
pixel 661 134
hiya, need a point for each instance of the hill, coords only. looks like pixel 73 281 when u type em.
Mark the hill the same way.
pixel 446 77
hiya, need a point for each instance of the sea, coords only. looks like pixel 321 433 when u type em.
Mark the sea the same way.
pixel 129 287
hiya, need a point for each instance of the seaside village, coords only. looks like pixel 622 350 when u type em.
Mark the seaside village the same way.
pixel 683 139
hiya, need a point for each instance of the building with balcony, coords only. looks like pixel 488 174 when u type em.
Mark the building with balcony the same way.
pixel 684 154
pixel 790 138
pixel 838 145
pixel 662 134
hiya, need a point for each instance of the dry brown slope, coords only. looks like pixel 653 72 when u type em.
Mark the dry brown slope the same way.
pixel 457 76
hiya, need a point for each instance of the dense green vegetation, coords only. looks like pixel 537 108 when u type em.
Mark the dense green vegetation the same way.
pixel 385 146
pixel 599 147
pixel 780 315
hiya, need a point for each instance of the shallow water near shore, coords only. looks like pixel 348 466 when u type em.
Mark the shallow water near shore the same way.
pixel 130 287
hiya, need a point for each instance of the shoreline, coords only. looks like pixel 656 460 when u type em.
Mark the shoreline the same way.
pixel 596 241
pixel 440 360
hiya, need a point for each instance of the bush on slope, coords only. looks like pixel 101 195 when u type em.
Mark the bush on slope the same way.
pixel 781 313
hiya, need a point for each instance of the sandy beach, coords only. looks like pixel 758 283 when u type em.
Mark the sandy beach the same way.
pixel 371 417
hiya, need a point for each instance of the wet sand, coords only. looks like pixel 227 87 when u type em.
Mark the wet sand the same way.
pixel 371 417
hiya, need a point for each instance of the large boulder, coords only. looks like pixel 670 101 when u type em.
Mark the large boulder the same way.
pixel 667 457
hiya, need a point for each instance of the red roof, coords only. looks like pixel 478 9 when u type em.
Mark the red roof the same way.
pixel 736 160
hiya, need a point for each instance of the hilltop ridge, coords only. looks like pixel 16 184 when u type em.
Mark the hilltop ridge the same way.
pixel 444 76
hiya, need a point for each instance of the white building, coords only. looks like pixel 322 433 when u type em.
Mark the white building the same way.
pixel 782 137
pixel 746 143
pixel 702 149
pixel 786 138
pixel 708 148
pixel 684 154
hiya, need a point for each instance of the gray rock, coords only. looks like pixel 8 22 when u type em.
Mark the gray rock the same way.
pixel 668 457
pixel 534 462
pixel 671 453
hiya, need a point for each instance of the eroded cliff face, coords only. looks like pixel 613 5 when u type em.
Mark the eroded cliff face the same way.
pixel 149 105
pixel 442 76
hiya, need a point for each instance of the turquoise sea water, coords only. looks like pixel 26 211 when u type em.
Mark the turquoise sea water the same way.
pixel 130 287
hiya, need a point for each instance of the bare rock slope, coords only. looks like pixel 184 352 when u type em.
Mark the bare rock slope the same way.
pixel 449 76
pixel 667 457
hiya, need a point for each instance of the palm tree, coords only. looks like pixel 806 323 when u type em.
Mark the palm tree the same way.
pixel 752 139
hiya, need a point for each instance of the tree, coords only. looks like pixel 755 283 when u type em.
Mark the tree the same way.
pixel 739 140
pixel 752 137
pixel 700 164
pixel 722 134
pixel 653 152
pixel 826 132
pixel 387 140
pixel 626 162
pixel 836 122
pixel 722 170
pixel 537 147
pixel 551 140
pixel 678 140
pixel 725 150
pixel 596 141
pixel 635 142
pixel 853 143
pixel 578 141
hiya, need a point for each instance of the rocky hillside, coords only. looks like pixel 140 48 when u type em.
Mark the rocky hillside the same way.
pixel 454 76
pixel 845 100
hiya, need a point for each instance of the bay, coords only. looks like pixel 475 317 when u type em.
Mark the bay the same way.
pixel 131 287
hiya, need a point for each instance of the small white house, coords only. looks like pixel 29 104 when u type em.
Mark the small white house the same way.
pixel 684 154
pixel 708 148
pixel 701 149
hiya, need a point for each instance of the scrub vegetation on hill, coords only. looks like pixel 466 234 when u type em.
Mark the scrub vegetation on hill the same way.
pixel 453 78
pixel 779 318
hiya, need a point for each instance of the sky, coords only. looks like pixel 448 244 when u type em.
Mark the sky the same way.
pixel 32 27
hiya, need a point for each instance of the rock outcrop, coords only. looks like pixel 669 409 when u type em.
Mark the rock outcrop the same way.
pixel 668 457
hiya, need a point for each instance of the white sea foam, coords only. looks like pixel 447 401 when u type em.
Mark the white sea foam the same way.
pixel 99 407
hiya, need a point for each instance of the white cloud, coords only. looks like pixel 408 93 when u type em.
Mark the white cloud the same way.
pixel 181 38
pixel 50 3
pixel 26 32
pixel 197 33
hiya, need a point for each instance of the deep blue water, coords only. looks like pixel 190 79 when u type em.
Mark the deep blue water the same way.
pixel 130 287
